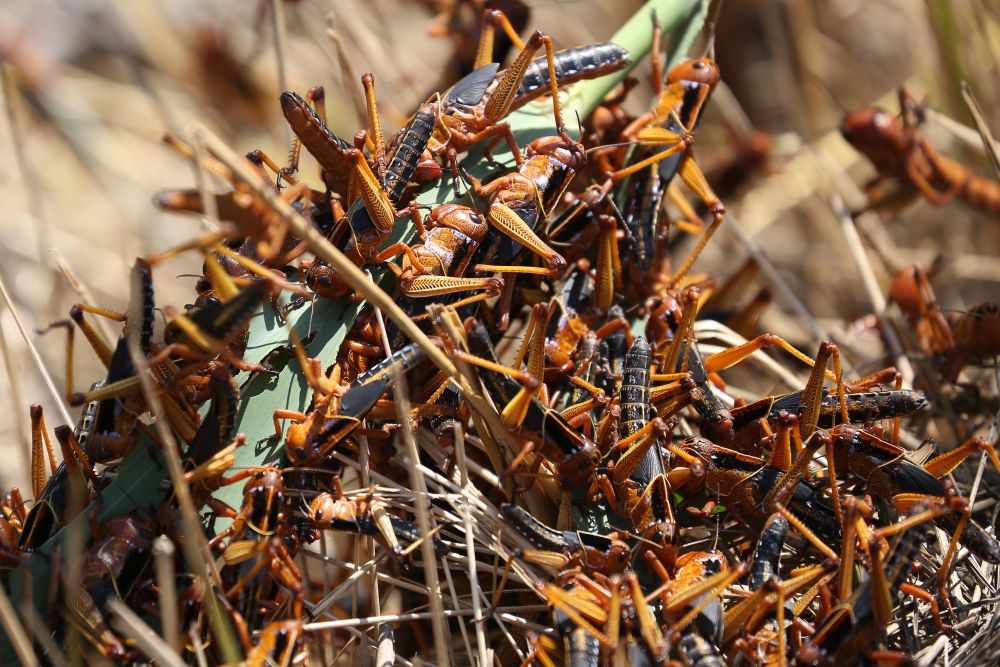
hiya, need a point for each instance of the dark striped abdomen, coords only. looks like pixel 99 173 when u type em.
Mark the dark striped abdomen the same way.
pixel 572 65
pixel 583 649
pixel 635 387
pixel 696 651
pixel 411 144
pixel 533 530
pixel 768 551
pixel 142 293
pixel 641 212
pixel 401 361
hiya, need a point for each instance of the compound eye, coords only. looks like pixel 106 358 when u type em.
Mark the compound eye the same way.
pixel 698 65
pixel 324 281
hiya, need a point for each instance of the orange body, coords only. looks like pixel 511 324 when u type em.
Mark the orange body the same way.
pixel 901 154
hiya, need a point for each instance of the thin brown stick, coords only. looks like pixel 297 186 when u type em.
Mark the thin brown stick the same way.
pixel 36 357
pixel 151 643
pixel 81 289
pixel 15 631
pixel 421 505
pixel 408 617
pixel 163 553
pixel 196 548
pixel 17 400
pixel 984 130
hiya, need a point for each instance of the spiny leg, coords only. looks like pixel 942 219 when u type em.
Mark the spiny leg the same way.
pixel 668 399
pixel 685 329
pixel 294 415
pixel 690 221
pixel 597 397
pixel 781 451
pixel 941 465
pixel 77 465
pixel 374 125
pixel 510 223
pixel 680 274
pixel 104 351
pixel 540 649
pixel 502 97
pixel 707 589
pixel 812 396
pixel 397 249
pixel 609 271
pixel 962 506
pixel 376 201
pixel 535 322
pixel 491 19
pixel 694 178
pixel 786 484
pixel 804 530
pixel 649 630
pixel 881 578
pixel 634 448
pixel 427 286
pixel 578 608
pixel 656 75
pixel 201 243
pixel 614 609
pixel 925 596
pixel 70 331
pixel 676 142
pixel 514 412
pixel 261 159
pixel 97 342
pixel 848 547
pixel 40 435
pixel 692 175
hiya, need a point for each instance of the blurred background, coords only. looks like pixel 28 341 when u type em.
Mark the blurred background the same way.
pixel 90 87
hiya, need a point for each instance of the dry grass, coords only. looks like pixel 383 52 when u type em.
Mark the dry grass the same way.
pixel 91 87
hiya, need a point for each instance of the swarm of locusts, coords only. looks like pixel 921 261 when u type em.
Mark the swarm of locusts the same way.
pixel 521 449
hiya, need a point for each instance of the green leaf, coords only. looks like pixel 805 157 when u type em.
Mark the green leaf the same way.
pixel 325 324
pixel 638 326
pixel 327 321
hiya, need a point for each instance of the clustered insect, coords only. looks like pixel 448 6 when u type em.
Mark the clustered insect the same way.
pixel 607 471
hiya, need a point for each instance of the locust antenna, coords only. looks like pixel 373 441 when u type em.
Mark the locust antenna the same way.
pixel 712 20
